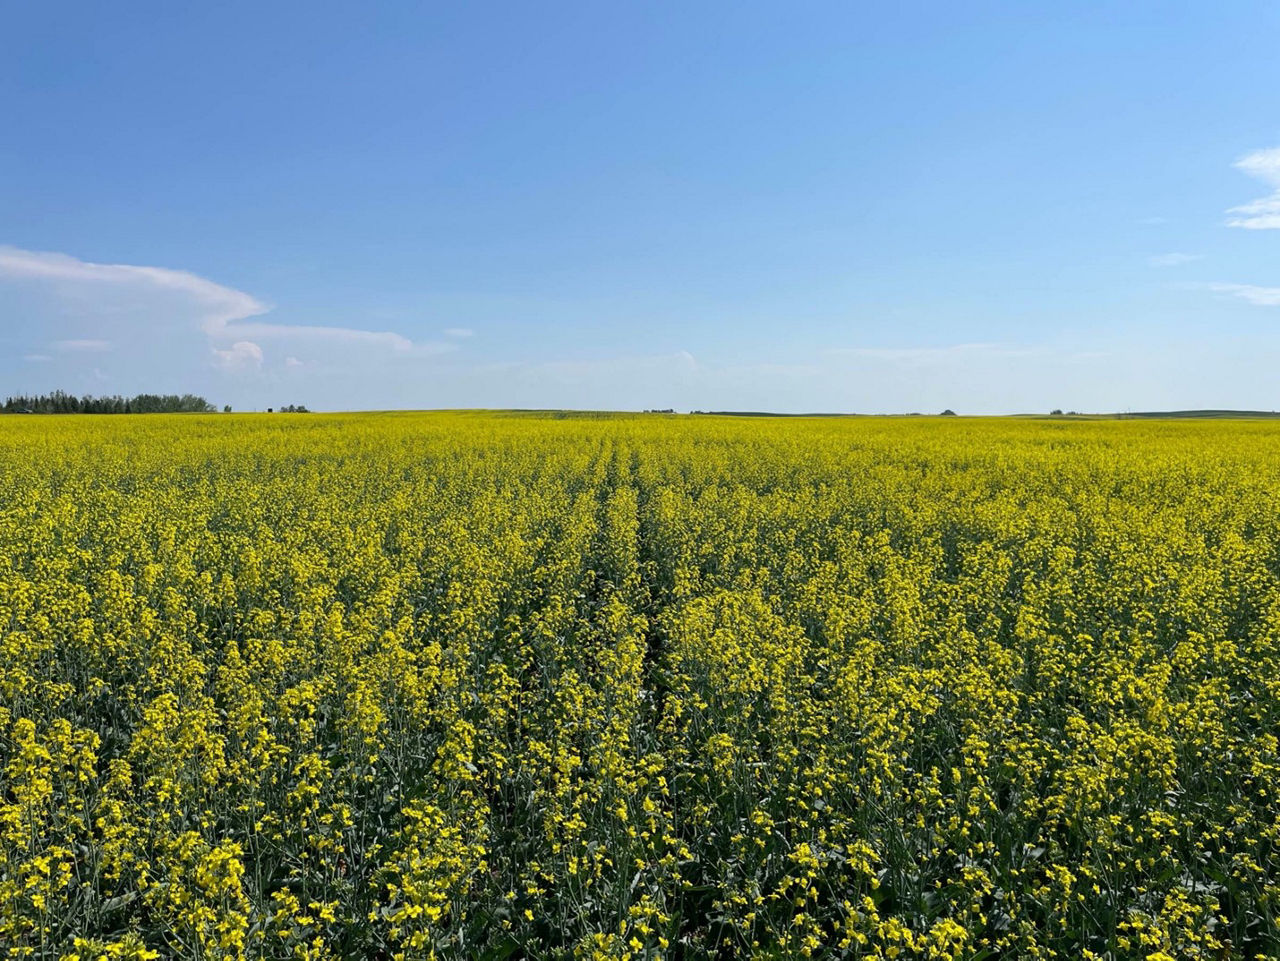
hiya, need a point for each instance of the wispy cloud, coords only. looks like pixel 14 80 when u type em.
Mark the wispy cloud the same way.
pixel 459 333
pixel 1263 213
pixel 36 358
pixel 1174 259
pixel 333 335
pixel 1259 296
pixel 81 346
pixel 223 305
pixel 223 313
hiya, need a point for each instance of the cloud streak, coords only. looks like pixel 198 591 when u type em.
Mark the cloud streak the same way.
pixel 1263 213
pixel 1174 259
pixel 222 305
pixel 1258 296
pixel 225 314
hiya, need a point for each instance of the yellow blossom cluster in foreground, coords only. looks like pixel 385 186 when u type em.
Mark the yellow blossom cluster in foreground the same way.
pixel 501 686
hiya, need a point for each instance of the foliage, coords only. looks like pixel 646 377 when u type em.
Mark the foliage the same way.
pixel 450 685
pixel 62 403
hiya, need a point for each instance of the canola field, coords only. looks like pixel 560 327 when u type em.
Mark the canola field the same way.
pixel 519 686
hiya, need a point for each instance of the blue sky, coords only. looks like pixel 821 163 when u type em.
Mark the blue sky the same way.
pixel 790 206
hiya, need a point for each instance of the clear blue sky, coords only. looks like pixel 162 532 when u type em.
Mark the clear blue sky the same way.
pixel 790 206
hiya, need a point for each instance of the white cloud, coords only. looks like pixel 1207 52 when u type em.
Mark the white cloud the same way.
pixel 223 313
pixel 242 355
pixel 1174 259
pixel 1263 213
pixel 223 305
pixel 459 333
pixel 335 335
pixel 1259 296
pixel 81 346
pixel 36 358
pixel 292 362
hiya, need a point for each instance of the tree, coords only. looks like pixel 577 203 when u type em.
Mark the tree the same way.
pixel 948 413
pixel 60 402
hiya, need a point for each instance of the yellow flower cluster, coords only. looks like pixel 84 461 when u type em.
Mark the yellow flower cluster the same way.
pixel 414 686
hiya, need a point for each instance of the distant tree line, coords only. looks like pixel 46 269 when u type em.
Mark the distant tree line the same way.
pixel 60 402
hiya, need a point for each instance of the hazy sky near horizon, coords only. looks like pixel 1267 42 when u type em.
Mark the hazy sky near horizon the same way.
pixel 788 206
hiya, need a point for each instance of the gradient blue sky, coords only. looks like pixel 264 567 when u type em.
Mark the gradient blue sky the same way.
pixel 789 206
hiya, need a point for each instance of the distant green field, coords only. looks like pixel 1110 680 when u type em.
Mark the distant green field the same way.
pixel 1208 414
